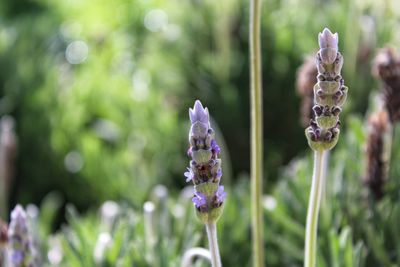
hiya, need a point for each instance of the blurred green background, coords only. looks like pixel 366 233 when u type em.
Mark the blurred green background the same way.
pixel 100 90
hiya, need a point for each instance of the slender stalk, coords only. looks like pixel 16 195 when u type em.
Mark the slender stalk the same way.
pixel 313 209
pixel 213 243
pixel 193 253
pixel 256 134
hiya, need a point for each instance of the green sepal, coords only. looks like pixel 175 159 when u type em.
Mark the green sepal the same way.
pixel 213 213
pixel 326 122
pixel 202 155
pixel 322 145
pixel 325 100
pixel 343 98
pixel 328 87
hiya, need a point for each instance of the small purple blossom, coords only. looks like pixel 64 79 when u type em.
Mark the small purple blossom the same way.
pixel 199 114
pixel 220 194
pixel 189 175
pixel 17 256
pixel 219 173
pixel 215 147
pixel 199 200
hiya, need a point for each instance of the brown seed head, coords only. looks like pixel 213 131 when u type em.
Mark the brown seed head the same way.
pixel 306 78
pixel 386 66
pixel 375 178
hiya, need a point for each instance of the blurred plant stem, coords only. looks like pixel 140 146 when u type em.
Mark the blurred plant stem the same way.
pixel 193 253
pixel 313 208
pixel 213 243
pixel 256 134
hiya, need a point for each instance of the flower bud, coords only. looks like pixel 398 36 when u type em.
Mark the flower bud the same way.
pixel 328 44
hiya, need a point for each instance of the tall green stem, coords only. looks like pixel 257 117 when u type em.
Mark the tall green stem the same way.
pixel 256 134
pixel 313 209
pixel 213 243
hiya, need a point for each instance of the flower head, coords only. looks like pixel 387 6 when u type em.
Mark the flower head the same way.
pixel 22 251
pixel 330 94
pixel 205 166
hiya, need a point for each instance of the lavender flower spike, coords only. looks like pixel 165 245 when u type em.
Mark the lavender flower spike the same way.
pixel 21 249
pixel 330 94
pixel 328 43
pixel 205 166
pixel 205 172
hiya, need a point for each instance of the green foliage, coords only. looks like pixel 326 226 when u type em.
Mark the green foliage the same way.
pixel 354 230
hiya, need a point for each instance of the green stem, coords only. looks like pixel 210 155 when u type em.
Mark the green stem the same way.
pixel 256 134
pixel 213 243
pixel 194 253
pixel 313 209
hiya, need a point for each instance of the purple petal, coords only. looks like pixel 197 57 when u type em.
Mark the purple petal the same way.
pixel 189 175
pixel 215 147
pixel 220 194
pixel 17 257
pixel 219 173
pixel 199 199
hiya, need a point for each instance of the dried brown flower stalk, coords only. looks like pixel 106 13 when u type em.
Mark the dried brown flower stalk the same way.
pixel 386 66
pixel 306 79
pixel 378 153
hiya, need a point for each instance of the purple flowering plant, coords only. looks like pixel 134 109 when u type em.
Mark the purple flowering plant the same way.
pixel 205 173
pixel 21 250
pixel 205 166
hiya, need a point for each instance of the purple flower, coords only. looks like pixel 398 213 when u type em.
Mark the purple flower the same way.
pixel 220 194
pixel 215 147
pixel 199 113
pixel 199 200
pixel 189 175
pixel 17 256
pixel 21 250
pixel 18 214
pixel 219 173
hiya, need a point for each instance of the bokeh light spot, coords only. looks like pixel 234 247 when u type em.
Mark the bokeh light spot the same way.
pixel 73 162
pixel 156 20
pixel 76 52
